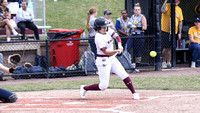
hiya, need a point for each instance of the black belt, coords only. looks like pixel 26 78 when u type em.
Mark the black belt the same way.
pixel 103 55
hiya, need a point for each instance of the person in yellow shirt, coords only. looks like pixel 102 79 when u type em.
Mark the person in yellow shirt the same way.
pixel 194 36
pixel 166 30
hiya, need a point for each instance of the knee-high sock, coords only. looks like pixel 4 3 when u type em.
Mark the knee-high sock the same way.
pixel 92 87
pixel 129 84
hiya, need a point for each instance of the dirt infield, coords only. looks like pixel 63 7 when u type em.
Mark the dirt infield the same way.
pixel 108 101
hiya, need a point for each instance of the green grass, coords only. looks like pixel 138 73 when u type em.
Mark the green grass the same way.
pixel 71 14
pixel 189 83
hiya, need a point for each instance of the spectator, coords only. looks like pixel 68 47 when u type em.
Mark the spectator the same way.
pixel 194 36
pixel 122 26
pixel 166 29
pixel 5 16
pixel 25 20
pixel 139 25
pixel 107 16
pixel 91 17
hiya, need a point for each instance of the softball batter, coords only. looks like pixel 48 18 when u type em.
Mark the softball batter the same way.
pixel 104 43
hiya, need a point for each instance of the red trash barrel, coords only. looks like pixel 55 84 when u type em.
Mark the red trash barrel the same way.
pixel 64 53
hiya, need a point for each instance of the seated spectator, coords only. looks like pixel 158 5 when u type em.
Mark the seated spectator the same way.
pixel 122 26
pixel 24 20
pixel 194 36
pixel 5 16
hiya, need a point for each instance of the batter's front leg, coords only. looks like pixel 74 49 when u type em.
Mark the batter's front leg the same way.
pixel 118 69
pixel 104 76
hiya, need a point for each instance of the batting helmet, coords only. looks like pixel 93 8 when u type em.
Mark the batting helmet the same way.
pixel 101 22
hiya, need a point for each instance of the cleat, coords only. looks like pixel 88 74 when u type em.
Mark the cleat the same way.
pixel 82 91
pixel 136 70
pixel 164 65
pixel 136 96
pixel 169 65
pixel 193 64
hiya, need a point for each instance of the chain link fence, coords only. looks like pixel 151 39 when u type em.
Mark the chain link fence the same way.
pixel 61 57
pixel 141 46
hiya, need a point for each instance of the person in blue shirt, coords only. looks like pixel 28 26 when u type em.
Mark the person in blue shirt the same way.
pixel 122 26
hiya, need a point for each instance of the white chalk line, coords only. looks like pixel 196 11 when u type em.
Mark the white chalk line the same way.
pixel 65 103
pixel 43 97
pixel 3 107
pixel 169 96
pixel 114 109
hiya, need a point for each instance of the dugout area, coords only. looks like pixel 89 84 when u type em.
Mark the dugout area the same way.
pixel 151 10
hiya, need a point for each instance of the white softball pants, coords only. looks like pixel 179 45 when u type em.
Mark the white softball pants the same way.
pixel 104 71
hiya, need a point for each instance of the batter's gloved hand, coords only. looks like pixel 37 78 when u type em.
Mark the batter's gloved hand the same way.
pixel 14 59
